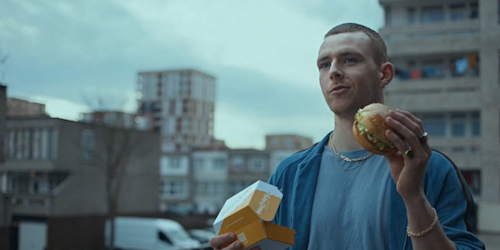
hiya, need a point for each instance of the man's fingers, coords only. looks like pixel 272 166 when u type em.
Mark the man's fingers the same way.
pixel 409 121
pixel 235 246
pixel 411 117
pixel 220 241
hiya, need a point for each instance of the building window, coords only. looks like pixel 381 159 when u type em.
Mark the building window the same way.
pixel 458 129
pixel 26 144
pixel 474 10
pixel 30 143
pixel 238 164
pixel 198 164
pixel 178 107
pixel 466 65
pixel 19 183
pixel 458 121
pixel 185 125
pixel 458 12
pixel 219 164
pixel 173 189
pixel 473 179
pixel 88 144
pixel 411 15
pixel 434 124
pixel 28 183
pixel 20 145
pixel 10 144
pixel 456 124
pixel 432 14
pixel 37 152
pixel 210 188
pixel 184 89
pixel 434 68
pixel 476 123
pixel 257 164
pixel 175 162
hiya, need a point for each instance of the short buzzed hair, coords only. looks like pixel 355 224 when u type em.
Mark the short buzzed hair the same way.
pixel 377 44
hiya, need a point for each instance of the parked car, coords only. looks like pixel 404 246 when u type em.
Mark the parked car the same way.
pixel 149 234
pixel 203 236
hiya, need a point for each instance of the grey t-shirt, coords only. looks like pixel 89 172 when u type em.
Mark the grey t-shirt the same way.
pixel 351 202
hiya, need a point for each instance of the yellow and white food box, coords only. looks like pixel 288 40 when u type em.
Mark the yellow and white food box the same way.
pixel 247 214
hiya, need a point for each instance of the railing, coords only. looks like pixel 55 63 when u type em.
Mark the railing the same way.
pixel 443 85
pixel 451 29
pixel 28 203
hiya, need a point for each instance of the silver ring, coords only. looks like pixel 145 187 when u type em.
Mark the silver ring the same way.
pixel 408 154
pixel 423 138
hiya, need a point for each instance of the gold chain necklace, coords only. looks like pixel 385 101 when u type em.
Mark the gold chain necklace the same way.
pixel 343 157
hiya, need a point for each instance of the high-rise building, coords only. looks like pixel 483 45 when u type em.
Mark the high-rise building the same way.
pixel 182 104
pixel 446 54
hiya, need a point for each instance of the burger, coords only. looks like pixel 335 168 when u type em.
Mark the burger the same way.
pixel 369 129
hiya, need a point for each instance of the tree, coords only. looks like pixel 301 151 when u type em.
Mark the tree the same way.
pixel 116 145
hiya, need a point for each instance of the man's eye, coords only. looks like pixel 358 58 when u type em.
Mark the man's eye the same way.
pixel 349 60
pixel 324 65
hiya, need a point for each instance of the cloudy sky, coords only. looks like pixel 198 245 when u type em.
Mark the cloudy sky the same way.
pixel 67 53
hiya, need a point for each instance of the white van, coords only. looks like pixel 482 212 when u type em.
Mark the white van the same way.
pixel 134 233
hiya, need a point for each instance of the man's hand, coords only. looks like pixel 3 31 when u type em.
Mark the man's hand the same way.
pixel 225 242
pixel 408 171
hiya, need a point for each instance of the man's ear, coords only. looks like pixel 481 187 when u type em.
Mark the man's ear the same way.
pixel 387 74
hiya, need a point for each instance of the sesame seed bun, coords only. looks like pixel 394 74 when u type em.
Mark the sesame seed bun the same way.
pixel 370 122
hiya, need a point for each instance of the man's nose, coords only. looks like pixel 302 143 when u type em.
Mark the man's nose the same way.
pixel 335 72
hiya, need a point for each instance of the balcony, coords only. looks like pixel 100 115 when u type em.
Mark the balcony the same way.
pixel 29 165
pixel 424 39
pixel 33 205
pixel 464 151
pixel 415 30
pixel 422 95
pixel 442 85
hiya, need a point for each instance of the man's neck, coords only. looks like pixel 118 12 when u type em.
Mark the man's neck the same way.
pixel 343 138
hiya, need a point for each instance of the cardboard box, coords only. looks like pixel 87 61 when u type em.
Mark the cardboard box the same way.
pixel 247 213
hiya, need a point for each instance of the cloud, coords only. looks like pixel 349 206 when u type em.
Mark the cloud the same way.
pixel 366 12
pixel 262 53
pixel 249 101
pixel 61 108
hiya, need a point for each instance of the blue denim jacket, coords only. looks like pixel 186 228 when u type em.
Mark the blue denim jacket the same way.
pixel 296 178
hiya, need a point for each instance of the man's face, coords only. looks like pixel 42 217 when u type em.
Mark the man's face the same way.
pixel 349 77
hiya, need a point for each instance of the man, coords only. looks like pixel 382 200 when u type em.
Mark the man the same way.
pixel 336 195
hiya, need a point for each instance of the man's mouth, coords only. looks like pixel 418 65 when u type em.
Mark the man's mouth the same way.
pixel 338 88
